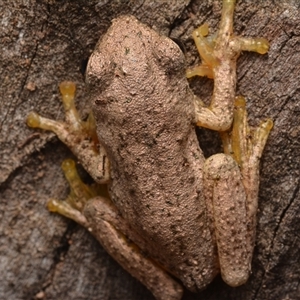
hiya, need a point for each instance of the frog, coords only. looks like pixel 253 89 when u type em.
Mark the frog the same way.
pixel 169 216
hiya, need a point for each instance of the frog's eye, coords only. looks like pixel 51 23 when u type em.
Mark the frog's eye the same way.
pixel 169 55
pixel 100 101
pixel 83 66
pixel 180 44
pixel 99 73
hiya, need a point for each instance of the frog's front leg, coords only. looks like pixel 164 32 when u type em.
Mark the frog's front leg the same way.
pixel 99 216
pixel 80 136
pixel 219 55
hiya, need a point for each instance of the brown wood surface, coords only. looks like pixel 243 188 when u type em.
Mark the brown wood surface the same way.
pixel 43 255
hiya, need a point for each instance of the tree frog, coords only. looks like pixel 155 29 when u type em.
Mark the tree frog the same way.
pixel 172 217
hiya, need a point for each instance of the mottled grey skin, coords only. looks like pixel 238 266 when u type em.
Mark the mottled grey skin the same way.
pixel 145 120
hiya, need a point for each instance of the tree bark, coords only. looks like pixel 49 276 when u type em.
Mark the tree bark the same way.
pixel 43 42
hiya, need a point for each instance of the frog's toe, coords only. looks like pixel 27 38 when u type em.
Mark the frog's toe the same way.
pixel 65 209
pixel 259 45
pixel 202 70
pixel 34 120
pixel 67 90
pixel 205 47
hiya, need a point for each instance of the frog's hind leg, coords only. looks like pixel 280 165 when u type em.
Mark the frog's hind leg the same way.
pixel 232 181
pixel 116 237
pixel 90 207
pixel 245 144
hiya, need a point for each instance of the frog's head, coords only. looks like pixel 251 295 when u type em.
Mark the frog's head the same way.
pixel 136 78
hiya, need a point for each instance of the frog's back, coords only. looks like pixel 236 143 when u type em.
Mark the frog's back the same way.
pixel 145 116
pixel 158 190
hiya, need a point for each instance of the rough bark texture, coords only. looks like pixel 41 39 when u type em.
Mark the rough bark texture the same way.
pixel 44 256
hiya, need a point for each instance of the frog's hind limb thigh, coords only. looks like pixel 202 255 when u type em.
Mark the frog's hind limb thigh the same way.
pixel 115 235
pixel 226 198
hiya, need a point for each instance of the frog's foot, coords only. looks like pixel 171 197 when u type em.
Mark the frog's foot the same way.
pixel 80 136
pixel 80 193
pixel 214 48
pixel 245 145
pixel 90 207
